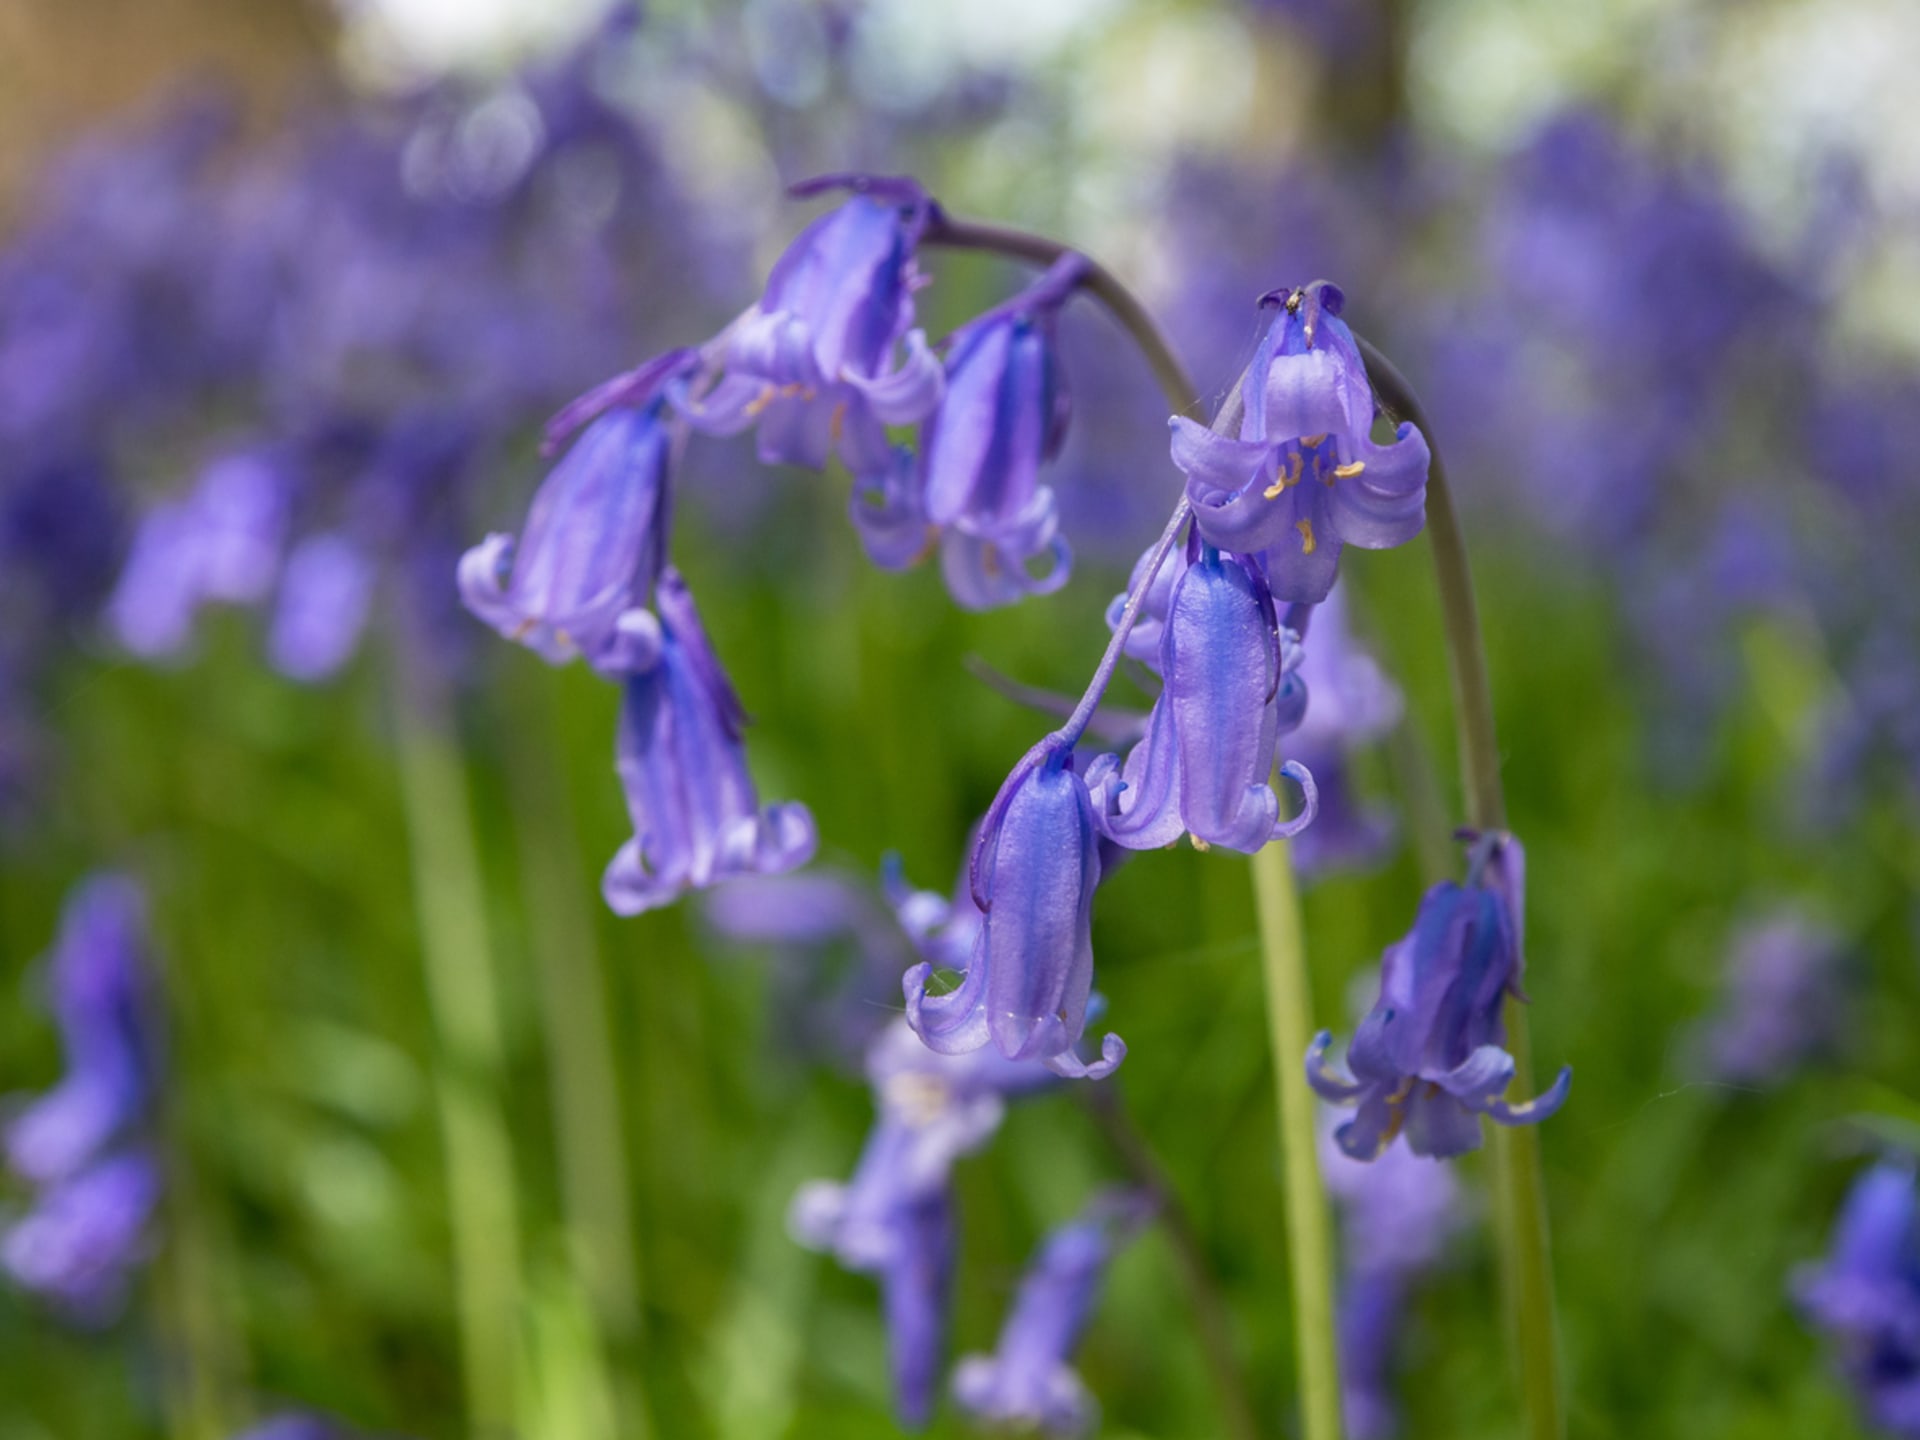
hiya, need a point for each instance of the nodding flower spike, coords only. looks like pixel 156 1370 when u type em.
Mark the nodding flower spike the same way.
pixel 1205 764
pixel 812 364
pixel 1028 1381
pixel 696 814
pixel 1304 477
pixel 595 538
pixel 1428 1058
pixel 894 1218
pixel 1035 865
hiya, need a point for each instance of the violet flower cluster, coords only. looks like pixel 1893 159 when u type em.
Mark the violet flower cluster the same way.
pixel 1866 1296
pixel 85 1147
pixel 1427 1060
pixel 1784 1001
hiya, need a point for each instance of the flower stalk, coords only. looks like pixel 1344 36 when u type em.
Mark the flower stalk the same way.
pixel 1310 1239
pixel 1520 1191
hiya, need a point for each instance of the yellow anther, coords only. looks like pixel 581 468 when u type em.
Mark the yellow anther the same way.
pixel 1312 442
pixel 1289 476
pixel 1199 844
pixel 1350 469
pixel 760 402
pixel 1307 543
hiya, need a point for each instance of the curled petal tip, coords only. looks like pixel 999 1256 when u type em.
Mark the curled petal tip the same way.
pixel 1325 1082
pixel 1071 1067
pixel 1539 1108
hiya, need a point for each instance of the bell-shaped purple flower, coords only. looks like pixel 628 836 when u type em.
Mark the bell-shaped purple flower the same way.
pixel 1304 477
pixel 84 1234
pixel 813 364
pixel 326 593
pixel 100 994
pixel 1205 764
pixel 1035 865
pixel 1866 1297
pixel 1428 1058
pixel 696 815
pixel 594 542
pixel 1028 1381
pixel 1003 416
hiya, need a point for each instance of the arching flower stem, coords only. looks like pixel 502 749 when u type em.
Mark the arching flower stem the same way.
pixel 1283 948
pixel 1523 1240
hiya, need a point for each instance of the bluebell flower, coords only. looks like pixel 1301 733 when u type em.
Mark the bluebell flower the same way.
pixel 815 365
pixel 1004 414
pixel 681 757
pixel 1866 1297
pixel 1304 478
pixel 100 993
pixel 595 540
pixel 223 543
pixel 1427 1060
pixel 326 593
pixel 1205 765
pixel 1783 1002
pixel 294 1425
pixel 894 1217
pixel 1028 1381
pixel 1368 1309
pixel 84 1235
pixel 1035 864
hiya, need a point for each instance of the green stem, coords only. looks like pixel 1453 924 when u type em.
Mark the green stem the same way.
pixel 1520 1192
pixel 1210 1312
pixel 450 902
pixel 594 1179
pixel 1309 1232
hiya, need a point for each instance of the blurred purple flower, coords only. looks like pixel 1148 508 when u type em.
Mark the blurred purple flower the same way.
pixel 894 1217
pixel 1350 703
pixel 1304 477
pixel 1028 1382
pixel 1034 867
pixel 84 1234
pixel 1783 1001
pixel 294 1425
pixel 100 993
pixel 1866 1296
pixel 1427 1059
pixel 1205 765
pixel 696 815
pixel 326 592
pixel 222 543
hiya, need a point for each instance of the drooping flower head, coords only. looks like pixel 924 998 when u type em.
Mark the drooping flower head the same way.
pixel 1428 1059
pixel 1028 1380
pixel 1205 765
pixel 596 534
pixel 1866 1297
pixel 682 761
pixel 1034 868
pixel 815 364
pixel 1304 477
pixel 1004 415
pixel 894 1217
pixel 101 996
